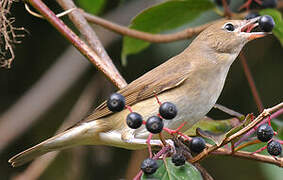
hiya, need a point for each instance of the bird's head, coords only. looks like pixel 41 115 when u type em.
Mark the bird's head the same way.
pixel 229 36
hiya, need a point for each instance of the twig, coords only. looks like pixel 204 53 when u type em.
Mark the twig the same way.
pixel 265 113
pixel 274 115
pixel 77 42
pixel 250 156
pixel 227 11
pixel 228 111
pixel 154 38
pixel 251 82
pixel 91 38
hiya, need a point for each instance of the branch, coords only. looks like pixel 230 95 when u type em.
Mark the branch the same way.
pixel 251 82
pixel 228 111
pixel 109 72
pixel 154 38
pixel 250 156
pixel 91 38
pixel 210 149
pixel 274 115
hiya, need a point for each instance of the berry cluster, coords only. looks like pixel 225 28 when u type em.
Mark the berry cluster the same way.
pixel 134 120
pixel 155 125
pixel 265 134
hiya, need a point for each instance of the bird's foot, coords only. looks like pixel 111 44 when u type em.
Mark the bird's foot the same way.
pixel 248 4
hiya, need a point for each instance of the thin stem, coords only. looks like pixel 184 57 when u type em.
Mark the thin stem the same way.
pixel 91 38
pixel 76 41
pixel 228 111
pixel 265 113
pixel 227 11
pixel 154 38
pixel 248 134
pixel 250 156
pixel 251 82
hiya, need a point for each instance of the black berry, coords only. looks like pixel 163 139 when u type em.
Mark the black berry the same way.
pixel 252 15
pixel 197 144
pixel 149 166
pixel 269 4
pixel 154 124
pixel 134 120
pixel 219 2
pixel 264 132
pixel 266 23
pixel 116 102
pixel 274 148
pixel 168 110
pixel 178 159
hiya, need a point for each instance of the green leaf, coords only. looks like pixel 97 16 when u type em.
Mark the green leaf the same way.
pixel 161 17
pixel 218 138
pixel 168 171
pixel 92 6
pixel 215 126
pixel 278 29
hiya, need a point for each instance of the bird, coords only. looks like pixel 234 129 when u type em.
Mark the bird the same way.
pixel 192 80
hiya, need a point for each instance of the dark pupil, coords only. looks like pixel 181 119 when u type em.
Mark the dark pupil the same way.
pixel 229 27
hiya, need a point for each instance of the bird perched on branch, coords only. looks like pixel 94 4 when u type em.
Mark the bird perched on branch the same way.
pixel 192 80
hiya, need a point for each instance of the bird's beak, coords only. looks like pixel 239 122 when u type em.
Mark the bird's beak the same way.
pixel 247 26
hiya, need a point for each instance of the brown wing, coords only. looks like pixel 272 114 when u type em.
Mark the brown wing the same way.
pixel 166 76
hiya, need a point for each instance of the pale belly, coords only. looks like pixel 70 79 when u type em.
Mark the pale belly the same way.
pixel 192 104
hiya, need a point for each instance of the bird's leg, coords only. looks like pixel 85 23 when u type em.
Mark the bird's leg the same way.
pixel 248 4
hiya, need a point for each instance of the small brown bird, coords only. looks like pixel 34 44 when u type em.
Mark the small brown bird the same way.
pixel 192 80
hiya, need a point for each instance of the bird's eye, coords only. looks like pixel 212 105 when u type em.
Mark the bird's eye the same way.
pixel 229 27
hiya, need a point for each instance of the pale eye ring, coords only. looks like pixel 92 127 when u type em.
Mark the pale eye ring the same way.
pixel 229 27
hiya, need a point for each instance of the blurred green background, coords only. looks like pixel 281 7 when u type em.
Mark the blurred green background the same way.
pixel 43 47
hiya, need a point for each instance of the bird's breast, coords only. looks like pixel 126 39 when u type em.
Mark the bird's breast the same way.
pixel 194 98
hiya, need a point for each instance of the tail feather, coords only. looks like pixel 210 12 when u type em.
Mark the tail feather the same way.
pixel 80 135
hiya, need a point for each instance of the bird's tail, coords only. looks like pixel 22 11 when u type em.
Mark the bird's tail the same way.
pixel 83 134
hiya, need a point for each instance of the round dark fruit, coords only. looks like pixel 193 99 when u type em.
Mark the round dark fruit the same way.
pixel 269 4
pixel 168 110
pixel 178 159
pixel 134 120
pixel 149 166
pixel 219 2
pixel 266 23
pixel 274 148
pixel 154 124
pixel 197 144
pixel 264 132
pixel 252 15
pixel 116 102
